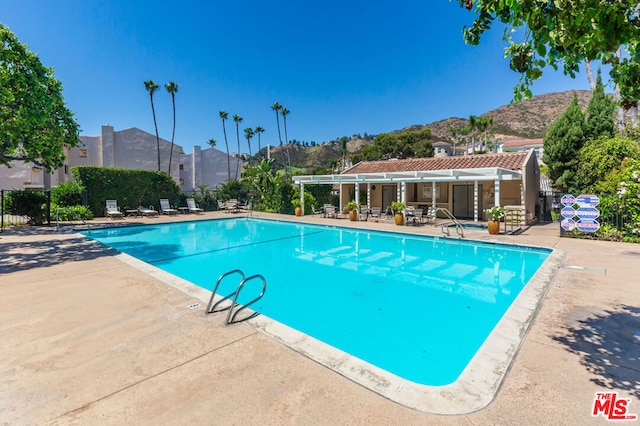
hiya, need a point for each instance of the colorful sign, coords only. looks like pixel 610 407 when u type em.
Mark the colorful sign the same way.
pixel 588 225
pixel 587 213
pixel 568 200
pixel 587 200
pixel 568 212
pixel 568 224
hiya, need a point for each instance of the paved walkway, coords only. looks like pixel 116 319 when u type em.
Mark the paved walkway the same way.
pixel 89 339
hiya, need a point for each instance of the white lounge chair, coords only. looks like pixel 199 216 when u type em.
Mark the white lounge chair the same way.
pixel 144 211
pixel 222 206
pixel 166 208
pixel 193 208
pixel 111 210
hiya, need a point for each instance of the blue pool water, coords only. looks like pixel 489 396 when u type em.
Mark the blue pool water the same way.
pixel 418 307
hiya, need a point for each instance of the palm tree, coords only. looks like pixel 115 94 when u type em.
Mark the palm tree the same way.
pixel 259 130
pixel 473 125
pixel 248 133
pixel 238 120
pixel 276 107
pixel 223 116
pixel 172 88
pixel 212 142
pixel 284 113
pixel 151 87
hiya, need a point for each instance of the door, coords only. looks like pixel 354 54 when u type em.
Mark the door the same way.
pixel 463 201
pixel 389 194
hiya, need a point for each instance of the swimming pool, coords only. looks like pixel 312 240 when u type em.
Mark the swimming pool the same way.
pixel 418 307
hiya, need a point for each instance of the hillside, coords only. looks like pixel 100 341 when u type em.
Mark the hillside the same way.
pixel 528 119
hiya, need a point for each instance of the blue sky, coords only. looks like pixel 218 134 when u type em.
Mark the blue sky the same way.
pixel 340 67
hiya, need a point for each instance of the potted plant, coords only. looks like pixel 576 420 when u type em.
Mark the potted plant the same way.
pixel 495 213
pixel 397 208
pixel 352 207
pixel 298 206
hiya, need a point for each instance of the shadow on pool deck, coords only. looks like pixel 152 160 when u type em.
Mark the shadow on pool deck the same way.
pixel 608 345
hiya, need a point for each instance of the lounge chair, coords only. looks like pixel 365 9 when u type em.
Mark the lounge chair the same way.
pixel 111 210
pixel 222 206
pixel 431 215
pixel 147 211
pixel 165 207
pixel 193 208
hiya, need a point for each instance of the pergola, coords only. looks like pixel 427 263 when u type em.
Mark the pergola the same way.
pixel 495 174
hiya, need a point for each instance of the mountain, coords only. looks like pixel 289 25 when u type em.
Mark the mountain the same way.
pixel 528 119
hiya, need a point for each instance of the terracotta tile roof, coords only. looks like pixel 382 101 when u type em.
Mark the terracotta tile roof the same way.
pixel 520 142
pixel 509 161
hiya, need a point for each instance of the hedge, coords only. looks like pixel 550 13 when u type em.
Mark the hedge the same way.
pixel 130 188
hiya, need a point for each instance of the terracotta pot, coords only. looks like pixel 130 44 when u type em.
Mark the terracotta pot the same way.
pixel 353 215
pixel 399 219
pixel 298 211
pixel 494 227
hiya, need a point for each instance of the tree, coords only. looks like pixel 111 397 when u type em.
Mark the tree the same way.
pixel 35 124
pixel 600 156
pixel 343 149
pixel 212 143
pixel 277 107
pixel 237 119
pixel 564 139
pixel 402 145
pixel 151 87
pixel 248 133
pixel 172 88
pixel 483 124
pixel 284 113
pixel 564 32
pixel 223 116
pixel 259 130
pixel 599 113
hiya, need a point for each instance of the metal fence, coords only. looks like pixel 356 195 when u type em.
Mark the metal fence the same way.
pixel 585 216
pixel 8 219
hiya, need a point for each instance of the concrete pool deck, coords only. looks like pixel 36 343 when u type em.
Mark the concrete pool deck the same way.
pixel 89 339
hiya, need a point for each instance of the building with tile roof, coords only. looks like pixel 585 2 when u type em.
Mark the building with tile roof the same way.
pixel 464 185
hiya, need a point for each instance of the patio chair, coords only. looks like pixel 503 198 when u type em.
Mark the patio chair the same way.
pixel 111 210
pixel 193 208
pixel 222 206
pixel 166 208
pixel 232 205
pixel 418 216
pixel 147 211
pixel 376 212
pixel 365 212
pixel 314 211
pixel 330 211
pixel 409 213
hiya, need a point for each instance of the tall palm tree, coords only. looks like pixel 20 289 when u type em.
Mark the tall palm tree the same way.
pixel 172 88
pixel 248 133
pixel 238 120
pixel 473 125
pixel 258 130
pixel 151 87
pixel 223 116
pixel 212 142
pixel 284 113
pixel 276 107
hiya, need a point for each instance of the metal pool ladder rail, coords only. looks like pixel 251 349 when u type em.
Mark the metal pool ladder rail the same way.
pixel 211 307
pixel 444 228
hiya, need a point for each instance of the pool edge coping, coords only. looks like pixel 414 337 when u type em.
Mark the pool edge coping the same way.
pixel 476 386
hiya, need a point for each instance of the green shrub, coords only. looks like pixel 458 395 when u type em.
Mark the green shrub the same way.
pixel 67 194
pixel 64 215
pixel 130 188
pixel 30 204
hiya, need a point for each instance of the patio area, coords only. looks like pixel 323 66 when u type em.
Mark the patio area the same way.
pixel 88 338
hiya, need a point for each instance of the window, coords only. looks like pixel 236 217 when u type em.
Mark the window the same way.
pixel 66 169
pixel 426 191
pixel 181 166
pixel 82 153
